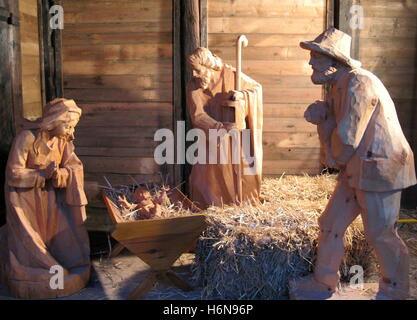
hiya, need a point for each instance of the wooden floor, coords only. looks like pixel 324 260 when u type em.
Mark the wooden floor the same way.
pixel 114 279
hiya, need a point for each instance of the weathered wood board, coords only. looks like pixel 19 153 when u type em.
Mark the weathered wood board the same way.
pixel 117 65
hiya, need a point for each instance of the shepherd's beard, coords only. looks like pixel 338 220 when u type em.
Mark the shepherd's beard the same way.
pixel 204 83
pixel 322 77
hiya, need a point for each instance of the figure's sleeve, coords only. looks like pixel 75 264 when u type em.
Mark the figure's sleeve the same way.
pixel 18 175
pixel 199 117
pixel 357 111
pixel 71 177
pixel 248 83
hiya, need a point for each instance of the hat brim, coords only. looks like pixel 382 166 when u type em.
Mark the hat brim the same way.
pixel 331 52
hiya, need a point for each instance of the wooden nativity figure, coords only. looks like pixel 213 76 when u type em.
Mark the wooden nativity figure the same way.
pixel 44 235
pixel 363 138
pixel 214 107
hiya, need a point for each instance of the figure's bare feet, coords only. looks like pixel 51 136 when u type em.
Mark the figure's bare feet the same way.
pixel 308 288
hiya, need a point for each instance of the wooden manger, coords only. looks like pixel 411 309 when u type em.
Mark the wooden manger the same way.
pixel 158 242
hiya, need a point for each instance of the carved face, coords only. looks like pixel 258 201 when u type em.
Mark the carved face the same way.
pixel 323 68
pixel 65 129
pixel 203 75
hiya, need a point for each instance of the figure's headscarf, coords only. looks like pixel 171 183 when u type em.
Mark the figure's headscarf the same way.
pixel 56 110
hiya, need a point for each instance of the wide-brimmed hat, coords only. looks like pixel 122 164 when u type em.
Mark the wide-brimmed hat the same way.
pixel 333 43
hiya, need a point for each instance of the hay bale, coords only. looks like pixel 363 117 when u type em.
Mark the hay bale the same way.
pixel 251 252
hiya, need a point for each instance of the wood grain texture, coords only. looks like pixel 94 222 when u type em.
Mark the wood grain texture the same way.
pixel 179 108
pixel 30 59
pixel 7 128
pixel 159 242
pixel 118 67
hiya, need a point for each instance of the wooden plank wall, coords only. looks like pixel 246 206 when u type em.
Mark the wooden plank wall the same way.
pixel 31 59
pixel 387 46
pixel 117 64
pixel 274 59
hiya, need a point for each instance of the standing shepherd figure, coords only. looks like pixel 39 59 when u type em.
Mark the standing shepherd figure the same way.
pixel 45 202
pixel 211 96
pixel 360 127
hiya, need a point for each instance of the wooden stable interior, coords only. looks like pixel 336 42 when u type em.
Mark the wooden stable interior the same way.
pixel 123 62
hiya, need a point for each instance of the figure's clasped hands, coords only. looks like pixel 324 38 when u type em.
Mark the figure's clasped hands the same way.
pixel 50 171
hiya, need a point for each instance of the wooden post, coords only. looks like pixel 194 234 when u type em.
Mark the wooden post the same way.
pixel 10 88
pixel 178 112
pixel 331 20
pixel 52 54
pixel 345 17
pixel 57 47
pixel 6 102
pixel 203 24
pixel 189 33
pixel 15 65
pixel 190 40
pixel 6 106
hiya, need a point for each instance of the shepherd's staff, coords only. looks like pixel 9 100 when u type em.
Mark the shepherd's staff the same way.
pixel 241 41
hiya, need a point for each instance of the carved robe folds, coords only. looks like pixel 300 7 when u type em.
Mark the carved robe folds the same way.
pixel 44 220
pixel 216 184
pixel 368 139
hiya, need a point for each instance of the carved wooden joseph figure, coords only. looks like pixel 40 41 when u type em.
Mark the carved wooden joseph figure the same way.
pixel 45 208
pixel 214 105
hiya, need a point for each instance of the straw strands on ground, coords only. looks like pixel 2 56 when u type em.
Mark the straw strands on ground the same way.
pixel 252 251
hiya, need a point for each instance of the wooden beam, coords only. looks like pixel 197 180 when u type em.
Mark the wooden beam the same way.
pixel 191 31
pixel 331 20
pixel 190 40
pixel 52 54
pixel 345 17
pixel 57 50
pixel 178 110
pixel 10 88
pixel 16 66
pixel 47 54
pixel 57 44
pixel 42 49
pixel 6 101
pixel 203 24
pixel 330 17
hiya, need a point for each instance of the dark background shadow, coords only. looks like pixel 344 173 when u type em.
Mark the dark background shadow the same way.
pixel 3 162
